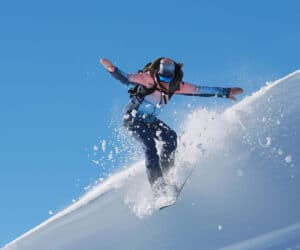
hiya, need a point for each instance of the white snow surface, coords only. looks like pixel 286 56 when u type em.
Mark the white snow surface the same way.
pixel 243 193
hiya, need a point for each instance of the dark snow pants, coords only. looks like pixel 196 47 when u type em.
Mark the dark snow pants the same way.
pixel 146 133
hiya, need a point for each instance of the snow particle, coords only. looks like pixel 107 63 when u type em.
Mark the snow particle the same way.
pixel 103 145
pixel 267 143
pixel 158 132
pixel 126 117
pixel 220 227
pixel 288 159
pixel 133 113
pixel 110 156
pixel 95 147
pixel 96 162
pixel 117 150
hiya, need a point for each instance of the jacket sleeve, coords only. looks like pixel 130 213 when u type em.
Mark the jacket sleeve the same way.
pixel 204 91
pixel 129 79
pixel 121 76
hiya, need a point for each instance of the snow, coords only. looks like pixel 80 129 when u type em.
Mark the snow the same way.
pixel 241 195
pixel 288 159
pixel 272 240
pixel 95 147
pixel 103 145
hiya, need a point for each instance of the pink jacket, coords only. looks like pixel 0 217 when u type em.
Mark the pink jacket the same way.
pixel 150 105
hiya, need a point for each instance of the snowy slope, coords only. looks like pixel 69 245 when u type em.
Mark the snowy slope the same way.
pixel 245 187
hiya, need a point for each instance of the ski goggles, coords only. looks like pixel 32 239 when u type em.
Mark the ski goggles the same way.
pixel 166 79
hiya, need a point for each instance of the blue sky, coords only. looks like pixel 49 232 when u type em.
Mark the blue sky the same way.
pixel 56 102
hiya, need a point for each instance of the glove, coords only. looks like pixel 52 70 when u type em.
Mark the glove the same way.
pixel 233 92
pixel 107 64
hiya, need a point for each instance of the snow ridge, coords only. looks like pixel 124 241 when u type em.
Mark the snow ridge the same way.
pixel 245 184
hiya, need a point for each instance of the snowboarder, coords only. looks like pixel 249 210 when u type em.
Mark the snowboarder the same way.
pixel 153 88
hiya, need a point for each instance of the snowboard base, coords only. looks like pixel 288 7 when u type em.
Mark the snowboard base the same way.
pixel 173 202
pixel 168 205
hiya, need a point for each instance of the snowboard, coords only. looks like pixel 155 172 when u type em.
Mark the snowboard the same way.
pixel 173 201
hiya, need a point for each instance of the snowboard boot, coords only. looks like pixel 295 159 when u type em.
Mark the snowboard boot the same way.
pixel 163 193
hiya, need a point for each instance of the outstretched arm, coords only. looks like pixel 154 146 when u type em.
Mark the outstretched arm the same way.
pixel 140 78
pixel 115 72
pixel 205 91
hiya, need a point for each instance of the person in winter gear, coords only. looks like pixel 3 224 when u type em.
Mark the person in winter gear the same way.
pixel 153 88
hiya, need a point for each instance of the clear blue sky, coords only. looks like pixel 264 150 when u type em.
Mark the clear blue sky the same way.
pixel 56 102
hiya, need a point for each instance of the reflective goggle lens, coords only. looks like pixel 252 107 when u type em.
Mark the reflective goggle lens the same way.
pixel 166 79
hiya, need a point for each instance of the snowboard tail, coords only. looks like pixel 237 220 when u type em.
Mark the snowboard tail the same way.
pixel 179 188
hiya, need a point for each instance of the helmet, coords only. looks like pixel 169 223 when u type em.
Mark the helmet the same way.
pixel 166 67
pixel 166 70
